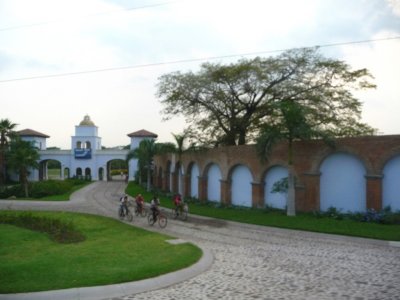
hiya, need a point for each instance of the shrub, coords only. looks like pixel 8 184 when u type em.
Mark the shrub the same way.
pixel 58 231
pixel 49 187
pixel 10 191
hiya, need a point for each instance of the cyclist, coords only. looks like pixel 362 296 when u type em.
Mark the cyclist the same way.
pixel 155 202
pixel 124 204
pixel 178 203
pixel 139 203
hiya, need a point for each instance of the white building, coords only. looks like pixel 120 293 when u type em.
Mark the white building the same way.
pixel 86 157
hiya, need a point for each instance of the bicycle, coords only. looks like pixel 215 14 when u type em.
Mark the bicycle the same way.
pixel 160 217
pixel 122 215
pixel 180 211
pixel 141 212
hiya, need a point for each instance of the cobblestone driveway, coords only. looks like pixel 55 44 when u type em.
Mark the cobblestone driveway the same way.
pixel 254 262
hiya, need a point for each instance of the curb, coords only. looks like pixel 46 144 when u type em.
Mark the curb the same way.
pixel 121 289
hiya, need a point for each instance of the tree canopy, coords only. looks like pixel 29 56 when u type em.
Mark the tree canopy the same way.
pixel 22 157
pixel 6 133
pixel 229 104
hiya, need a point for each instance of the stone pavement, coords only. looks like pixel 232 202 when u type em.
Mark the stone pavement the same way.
pixel 255 262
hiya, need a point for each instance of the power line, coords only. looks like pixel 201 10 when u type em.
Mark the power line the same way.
pixel 88 16
pixel 194 60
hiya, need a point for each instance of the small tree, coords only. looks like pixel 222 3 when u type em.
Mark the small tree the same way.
pixel 145 153
pixel 23 155
pixel 296 122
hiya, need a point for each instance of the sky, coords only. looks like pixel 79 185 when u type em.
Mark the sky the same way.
pixel 63 59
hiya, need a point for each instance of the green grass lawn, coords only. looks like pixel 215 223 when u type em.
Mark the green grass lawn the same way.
pixel 113 252
pixel 275 218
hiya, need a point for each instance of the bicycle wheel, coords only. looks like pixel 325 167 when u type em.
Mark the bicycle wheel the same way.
pixel 150 219
pixel 136 211
pixel 184 212
pixel 129 216
pixel 162 221
pixel 143 213
pixel 174 213
pixel 120 213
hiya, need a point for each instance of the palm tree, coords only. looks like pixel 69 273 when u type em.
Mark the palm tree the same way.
pixel 145 153
pixel 6 132
pixel 22 156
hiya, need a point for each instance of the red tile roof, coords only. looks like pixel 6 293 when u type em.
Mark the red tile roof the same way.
pixel 30 132
pixel 142 133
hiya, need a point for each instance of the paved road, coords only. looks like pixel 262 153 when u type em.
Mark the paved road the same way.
pixel 254 262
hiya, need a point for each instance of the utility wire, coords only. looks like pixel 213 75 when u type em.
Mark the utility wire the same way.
pixel 87 16
pixel 194 60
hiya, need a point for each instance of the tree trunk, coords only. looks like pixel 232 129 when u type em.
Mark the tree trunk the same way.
pixel 2 168
pixel 148 178
pixel 291 205
pixel 291 202
pixel 23 178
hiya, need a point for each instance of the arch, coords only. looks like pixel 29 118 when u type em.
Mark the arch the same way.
pixel 214 183
pixel 320 157
pixel 88 145
pixel 67 173
pixel 101 173
pixel 241 188
pixel 78 145
pixel 275 199
pixel 390 184
pixel 343 183
pixel 50 169
pixel 194 180
pixel 88 173
pixel 78 172
pixel 117 169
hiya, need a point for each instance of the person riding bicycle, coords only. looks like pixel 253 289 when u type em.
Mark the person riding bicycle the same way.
pixel 139 203
pixel 155 202
pixel 178 203
pixel 124 204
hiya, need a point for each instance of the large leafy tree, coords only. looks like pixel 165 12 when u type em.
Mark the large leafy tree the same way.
pixel 228 104
pixel 22 157
pixel 6 133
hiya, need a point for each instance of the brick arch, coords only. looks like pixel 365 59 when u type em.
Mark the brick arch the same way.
pixel 237 164
pixel 326 152
pixel 386 157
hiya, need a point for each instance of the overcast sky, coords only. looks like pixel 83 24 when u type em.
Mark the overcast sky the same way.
pixel 140 40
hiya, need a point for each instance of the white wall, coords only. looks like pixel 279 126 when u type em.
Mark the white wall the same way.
pixel 194 181
pixel 343 183
pixel 276 200
pixel 214 185
pixel 241 186
pixel 391 184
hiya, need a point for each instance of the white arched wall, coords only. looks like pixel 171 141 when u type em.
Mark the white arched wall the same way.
pixel 241 186
pixel 343 183
pixel 275 200
pixel 194 181
pixel 391 184
pixel 214 183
